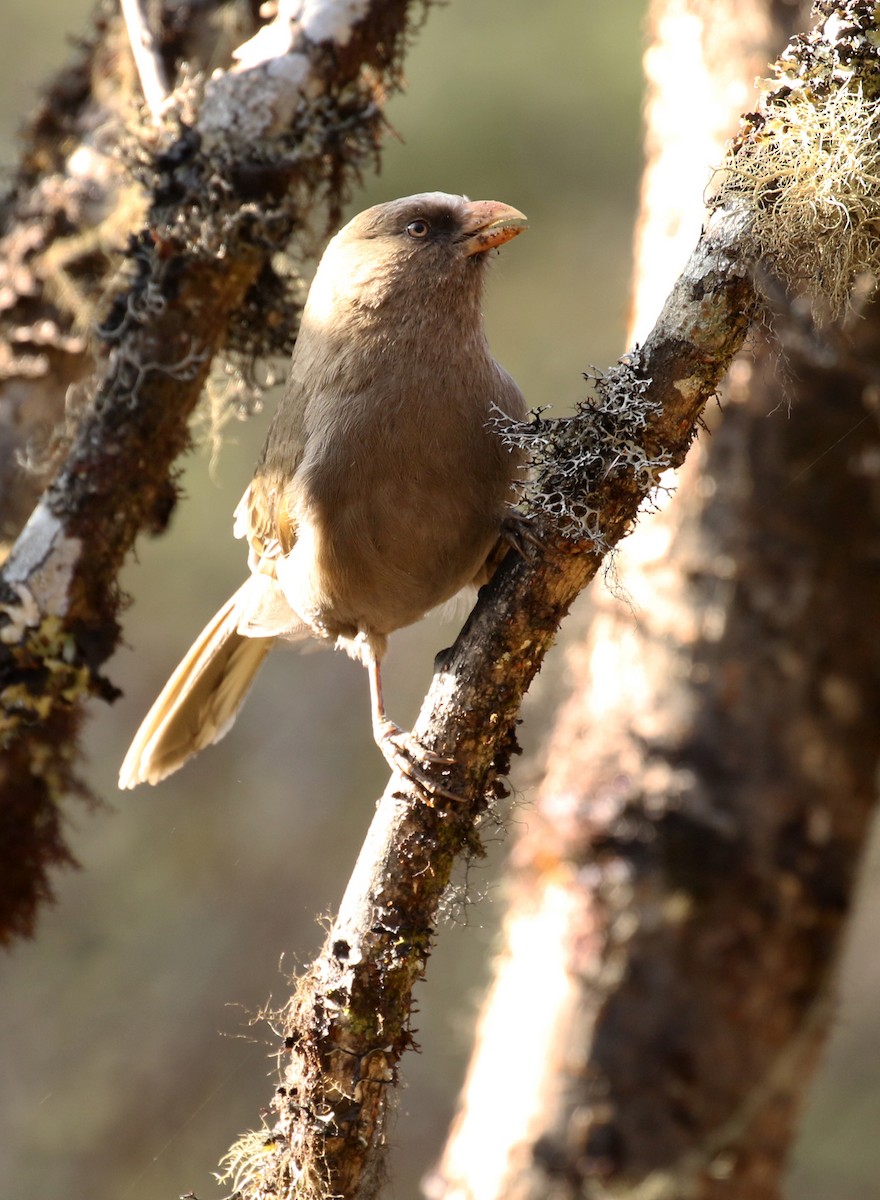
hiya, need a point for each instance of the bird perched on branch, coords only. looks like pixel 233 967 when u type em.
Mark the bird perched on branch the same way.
pixel 382 489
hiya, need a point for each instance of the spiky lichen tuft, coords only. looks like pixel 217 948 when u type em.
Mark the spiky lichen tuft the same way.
pixel 567 458
pixel 248 1166
pixel 264 1164
pixel 807 164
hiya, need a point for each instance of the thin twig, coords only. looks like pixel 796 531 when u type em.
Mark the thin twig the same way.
pixel 148 61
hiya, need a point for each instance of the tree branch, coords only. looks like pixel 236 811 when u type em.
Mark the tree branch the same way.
pixel 347 1025
pixel 276 138
pixel 149 64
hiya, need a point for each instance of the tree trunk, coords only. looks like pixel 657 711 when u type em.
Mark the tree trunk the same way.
pixel 680 889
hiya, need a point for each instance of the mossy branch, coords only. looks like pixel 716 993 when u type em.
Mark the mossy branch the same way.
pixel 239 168
pixel 347 1026
pixel 806 164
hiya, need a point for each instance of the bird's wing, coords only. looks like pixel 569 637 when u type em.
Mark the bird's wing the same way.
pixel 263 518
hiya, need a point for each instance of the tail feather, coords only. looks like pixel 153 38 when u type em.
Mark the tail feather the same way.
pixel 200 701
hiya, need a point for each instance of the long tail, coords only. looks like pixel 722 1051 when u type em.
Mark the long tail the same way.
pixel 200 701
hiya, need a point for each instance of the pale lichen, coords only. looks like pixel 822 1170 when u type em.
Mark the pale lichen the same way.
pixel 568 458
pixel 806 165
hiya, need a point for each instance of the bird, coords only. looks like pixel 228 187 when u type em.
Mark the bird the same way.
pixel 383 488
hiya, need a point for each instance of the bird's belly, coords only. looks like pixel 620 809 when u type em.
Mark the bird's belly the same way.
pixel 381 562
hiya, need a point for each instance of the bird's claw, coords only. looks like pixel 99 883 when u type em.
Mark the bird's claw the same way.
pixel 519 533
pixel 405 756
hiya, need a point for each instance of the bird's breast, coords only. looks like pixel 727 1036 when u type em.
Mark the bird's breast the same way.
pixel 399 501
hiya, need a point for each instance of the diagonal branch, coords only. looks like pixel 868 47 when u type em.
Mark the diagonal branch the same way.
pixel 347 1025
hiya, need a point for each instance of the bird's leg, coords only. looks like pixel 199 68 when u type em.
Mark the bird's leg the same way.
pixel 399 748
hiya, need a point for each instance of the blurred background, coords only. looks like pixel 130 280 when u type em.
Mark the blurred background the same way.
pixel 128 1060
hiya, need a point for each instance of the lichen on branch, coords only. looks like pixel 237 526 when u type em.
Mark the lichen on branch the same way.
pixel 806 164
pixel 567 458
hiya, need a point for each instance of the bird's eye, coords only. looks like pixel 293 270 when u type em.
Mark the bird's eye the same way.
pixel 419 228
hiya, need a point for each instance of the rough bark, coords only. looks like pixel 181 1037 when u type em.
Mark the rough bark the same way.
pixel 692 854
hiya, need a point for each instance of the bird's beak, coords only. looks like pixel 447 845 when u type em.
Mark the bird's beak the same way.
pixel 489 224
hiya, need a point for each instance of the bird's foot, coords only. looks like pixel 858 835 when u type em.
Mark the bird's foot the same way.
pixel 408 757
pixel 518 532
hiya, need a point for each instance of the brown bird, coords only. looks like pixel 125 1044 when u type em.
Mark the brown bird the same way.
pixel 381 490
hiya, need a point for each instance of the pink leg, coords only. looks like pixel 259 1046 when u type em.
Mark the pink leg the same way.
pixel 399 748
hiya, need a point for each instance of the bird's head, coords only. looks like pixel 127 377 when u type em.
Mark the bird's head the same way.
pixel 429 243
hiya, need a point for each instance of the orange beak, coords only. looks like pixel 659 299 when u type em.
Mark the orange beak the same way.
pixel 490 224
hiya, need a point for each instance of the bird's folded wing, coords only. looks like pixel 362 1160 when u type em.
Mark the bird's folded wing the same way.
pixel 264 520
